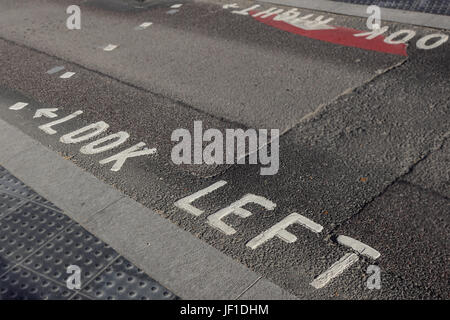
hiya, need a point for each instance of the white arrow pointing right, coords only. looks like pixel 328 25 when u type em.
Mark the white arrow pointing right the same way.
pixel 49 113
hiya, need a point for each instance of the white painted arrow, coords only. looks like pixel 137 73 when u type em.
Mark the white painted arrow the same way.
pixel 49 113
pixel 232 5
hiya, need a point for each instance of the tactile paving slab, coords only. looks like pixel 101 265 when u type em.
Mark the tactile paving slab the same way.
pixel 73 246
pixel 38 243
pixel 23 284
pixel 27 228
pixel 441 7
pixel 12 185
pixel 8 203
pixel 122 280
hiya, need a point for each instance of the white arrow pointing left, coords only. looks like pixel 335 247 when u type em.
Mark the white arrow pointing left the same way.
pixel 49 113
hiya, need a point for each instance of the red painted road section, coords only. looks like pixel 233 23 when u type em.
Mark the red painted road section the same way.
pixel 339 35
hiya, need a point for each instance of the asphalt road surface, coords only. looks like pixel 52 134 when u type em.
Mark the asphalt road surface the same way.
pixel 364 126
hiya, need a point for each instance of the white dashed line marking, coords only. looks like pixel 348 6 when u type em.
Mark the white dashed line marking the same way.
pixel 110 47
pixel 18 106
pixel 359 247
pixel 67 75
pixel 173 11
pixel 55 69
pixel 176 6
pixel 335 270
pixel 143 26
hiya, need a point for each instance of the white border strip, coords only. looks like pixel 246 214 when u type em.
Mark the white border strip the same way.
pixel 387 14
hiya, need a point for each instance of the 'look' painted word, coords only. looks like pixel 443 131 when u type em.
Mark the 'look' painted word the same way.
pixel 88 132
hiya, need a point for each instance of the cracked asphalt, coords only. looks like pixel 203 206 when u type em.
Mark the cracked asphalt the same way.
pixel 364 150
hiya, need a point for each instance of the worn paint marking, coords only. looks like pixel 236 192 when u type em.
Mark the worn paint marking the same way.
pixel 110 47
pixel 55 69
pixel 335 270
pixel 67 75
pixel 18 106
pixel 358 246
pixel 143 26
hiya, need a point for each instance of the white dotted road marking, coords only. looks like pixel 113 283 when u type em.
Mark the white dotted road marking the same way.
pixel 55 69
pixel 279 230
pixel 358 246
pixel 46 112
pixel 173 11
pixel 215 220
pixel 185 203
pixel 18 106
pixel 143 26
pixel 67 75
pixel 335 270
pixel 110 47
pixel 176 6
